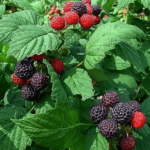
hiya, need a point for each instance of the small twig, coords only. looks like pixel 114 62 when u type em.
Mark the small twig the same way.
pixel 79 64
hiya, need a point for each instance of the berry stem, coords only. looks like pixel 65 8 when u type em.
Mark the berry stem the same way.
pixel 110 143
pixel 32 108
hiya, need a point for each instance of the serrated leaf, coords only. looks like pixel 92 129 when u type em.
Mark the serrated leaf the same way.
pixel 38 7
pixel 145 109
pixel 22 4
pixel 105 38
pixel 146 3
pixel 77 81
pixel 123 3
pixel 2 9
pixel 10 23
pixel 30 39
pixel 143 144
pixel 14 98
pixel 44 103
pixel 95 141
pixel 58 92
pixel 12 137
pixel 56 129
pixel 34 146
pixel 71 36
pixel 115 63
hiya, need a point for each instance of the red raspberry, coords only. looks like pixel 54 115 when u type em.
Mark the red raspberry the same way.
pixel 86 21
pixel 96 19
pixel 38 57
pixel 58 65
pixel 67 6
pixel 53 8
pixel 89 9
pixel 86 1
pixel 138 120
pixel 71 18
pixel 57 23
pixel 17 80
pixel 127 142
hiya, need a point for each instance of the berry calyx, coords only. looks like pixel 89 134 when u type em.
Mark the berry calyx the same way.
pixel 67 7
pixel 71 18
pixel 86 21
pixel 138 120
pixel 17 80
pixel 79 8
pixel 38 57
pixel 108 128
pixel 110 99
pixel 96 10
pixel 57 23
pixel 127 142
pixel 58 65
pixel 122 113
pixel 98 113
pixel 39 81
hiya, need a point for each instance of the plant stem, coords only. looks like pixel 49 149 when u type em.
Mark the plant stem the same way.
pixel 31 109
pixel 79 64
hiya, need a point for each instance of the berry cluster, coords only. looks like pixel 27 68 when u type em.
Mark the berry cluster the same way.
pixel 33 82
pixel 54 12
pixel 122 115
pixel 77 12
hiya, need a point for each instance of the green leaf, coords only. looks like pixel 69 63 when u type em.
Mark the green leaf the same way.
pixel 95 141
pixel 30 39
pixel 14 98
pixel 10 23
pixel 34 146
pixel 2 9
pixel 38 7
pixel 146 85
pixel 11 136
pixel 115 63
pixel 106 37
pixel 143 143
pixel 145 109
pixel 58 92
pixel 56 129
pixel 146 46
pixel 77 81
pixel 80 144
pixel 107 4
pixel 146 3
pixel 97 75
pixel 71 36
pixel 22 4
pixel 44 103
pixel 123 3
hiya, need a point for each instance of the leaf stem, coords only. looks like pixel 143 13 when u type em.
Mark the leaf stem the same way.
pixel 79 64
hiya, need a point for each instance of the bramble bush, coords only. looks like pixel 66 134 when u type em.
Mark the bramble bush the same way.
pixel 74 75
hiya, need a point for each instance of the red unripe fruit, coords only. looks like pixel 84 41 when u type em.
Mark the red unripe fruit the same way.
pixel 57 10
pixel 86 21
pixel 142 14
pixel 138 15
pixel 17 80
pixel 51 12
pixel 38 57
pixel 50 17
pixel 58 65
pixel 62 12
pixel 86 1
pixel 57 23
pixel 67 7
pixel 53 8
pixel 124 11
pixel 105 16
pixel 96 19
pixel 71 18
pixel 138 120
